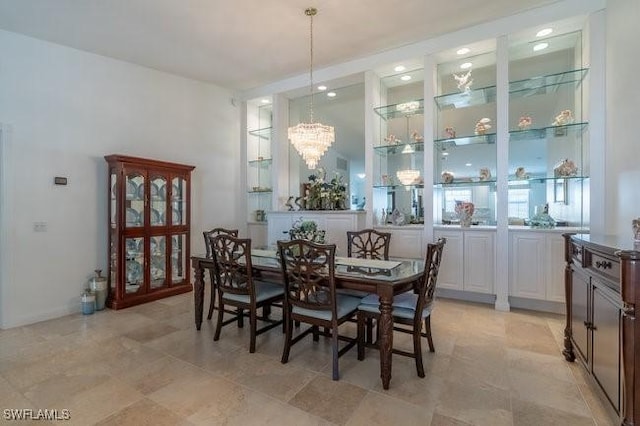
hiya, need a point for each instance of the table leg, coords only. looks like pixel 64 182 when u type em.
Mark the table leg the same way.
pixel 386 338
pixel 198 293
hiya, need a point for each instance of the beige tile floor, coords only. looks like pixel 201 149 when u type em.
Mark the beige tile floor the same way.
pixel 147 365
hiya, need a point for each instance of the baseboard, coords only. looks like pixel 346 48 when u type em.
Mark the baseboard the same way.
pixel 537 305
pixel 41 316
pixel 467 296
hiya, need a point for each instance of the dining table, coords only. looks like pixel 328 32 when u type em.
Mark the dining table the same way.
pixel 384 278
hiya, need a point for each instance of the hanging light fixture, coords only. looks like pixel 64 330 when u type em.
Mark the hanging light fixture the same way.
pixel 311 139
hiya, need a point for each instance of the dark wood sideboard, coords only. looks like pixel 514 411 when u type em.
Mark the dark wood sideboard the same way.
pixel 602 289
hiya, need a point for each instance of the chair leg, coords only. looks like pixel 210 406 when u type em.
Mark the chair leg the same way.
pixel 417 352
pixel 360 337
pixel 316 333
pixel 427 326
pixel 219 323
pixel 240 317
pixel 335 350
pixel 369 330
pixel 287 339
pixel 252 332
pixel 212 304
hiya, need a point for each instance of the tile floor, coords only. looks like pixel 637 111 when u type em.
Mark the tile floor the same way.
pixel 148 365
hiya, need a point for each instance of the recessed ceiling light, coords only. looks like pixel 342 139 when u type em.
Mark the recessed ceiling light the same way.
pixel 444 154
pixel 399 68
pixel 463 51
pixel 405 78
pixel 322 88
pixel 361 175
pixel 466 65
pixel 331 94
pixel 468 164
pixel 265 101
pixel 540 46
pixel 544 32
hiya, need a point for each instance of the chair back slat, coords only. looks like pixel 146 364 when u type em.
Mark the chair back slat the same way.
pixel 232 257
pixel 429 278
pixel 208 235
pixel 368 244
pixel 309 274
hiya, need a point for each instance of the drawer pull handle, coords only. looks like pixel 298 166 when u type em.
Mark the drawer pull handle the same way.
pixel 603 264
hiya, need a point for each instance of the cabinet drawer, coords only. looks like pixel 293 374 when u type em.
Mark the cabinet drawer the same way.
pixel 576 253
pixel 603 265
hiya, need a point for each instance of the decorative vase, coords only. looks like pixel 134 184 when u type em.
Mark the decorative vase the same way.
pixel 635 225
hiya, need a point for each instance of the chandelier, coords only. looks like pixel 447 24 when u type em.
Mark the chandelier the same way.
pixel 408 176
pixel 311 140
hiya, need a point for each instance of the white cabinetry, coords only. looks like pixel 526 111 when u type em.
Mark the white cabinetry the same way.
pixel 335 223
pixel 536 268
pixel 468 260
pixel 406 241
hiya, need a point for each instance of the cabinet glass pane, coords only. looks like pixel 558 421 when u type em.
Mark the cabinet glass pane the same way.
pixel 465 154
pixel 158 253
pixel 398 159
pixel 158 197
pixel 548 131
pixel 134 274
pixel 178 244
pixel 134 194
pixel 113 259
pixel 178 201
pixel 259 159
pixel 113 202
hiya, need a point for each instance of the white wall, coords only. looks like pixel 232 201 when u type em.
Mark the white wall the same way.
pixel 61 111
pixel 622 168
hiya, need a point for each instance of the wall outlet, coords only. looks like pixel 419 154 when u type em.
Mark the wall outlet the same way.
pixel 40 226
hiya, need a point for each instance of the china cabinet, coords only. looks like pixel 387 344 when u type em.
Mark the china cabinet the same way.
pixel 149 230
pixel 465 167
pixel 398 180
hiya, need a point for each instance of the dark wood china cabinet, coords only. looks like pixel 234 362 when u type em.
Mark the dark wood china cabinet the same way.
pixel 149 208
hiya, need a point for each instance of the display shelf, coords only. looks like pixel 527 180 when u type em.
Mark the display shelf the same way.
pixel 261 162
pixel 545 84
pixel 402 109
pixel 542 179
pixel 401 148
pixel 469 98
pixel 260 191
pixel 463 182
pixel 264 133
pixel 546 132
pixel 487 138
pixel 399 187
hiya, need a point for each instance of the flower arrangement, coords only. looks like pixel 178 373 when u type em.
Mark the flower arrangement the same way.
pixel 323 195
pixel 306 230
pixel 464 210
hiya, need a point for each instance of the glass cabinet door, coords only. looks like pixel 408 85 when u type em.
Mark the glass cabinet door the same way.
pixel 134 186
pixel 158 262
pixel 177 249
pixel 465 155
pixel 158 199
pixel 134 274
pixel 547 127
pixel 178 201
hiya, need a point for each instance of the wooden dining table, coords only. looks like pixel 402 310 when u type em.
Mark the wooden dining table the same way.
pixel 383 278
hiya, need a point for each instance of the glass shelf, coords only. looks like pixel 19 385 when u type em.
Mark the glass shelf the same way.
pixel 542 179
pixel 258 190
pixel 261 162
pixel 264 133
pixel 487 138
pixel 463 182
pixel 544 132
pixel 545 84
pixel 473 97
pixel 401 148
pixel 404 109
pixel 398 187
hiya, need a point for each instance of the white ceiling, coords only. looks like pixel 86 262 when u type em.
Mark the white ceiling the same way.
pixel 242 44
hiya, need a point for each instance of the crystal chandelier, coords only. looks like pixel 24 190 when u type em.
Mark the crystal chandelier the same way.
pixel 408 176
pixel 311 140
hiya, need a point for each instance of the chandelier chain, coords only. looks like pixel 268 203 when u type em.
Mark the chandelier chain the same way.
pixel 311 12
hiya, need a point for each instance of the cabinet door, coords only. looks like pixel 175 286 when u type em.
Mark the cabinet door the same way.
pixel 554 248
pixel 451 275
pixel 606 344
pixel 278 226
pixel 579 314
pixel 479 259
pixel 527 255
pixel 406 243
pixel 135 197
pixel 336 231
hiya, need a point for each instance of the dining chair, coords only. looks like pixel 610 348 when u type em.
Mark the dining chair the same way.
pixel 410 309
pixel 310 296
pixel 208 235
pixel 367 244
pixel 237 286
